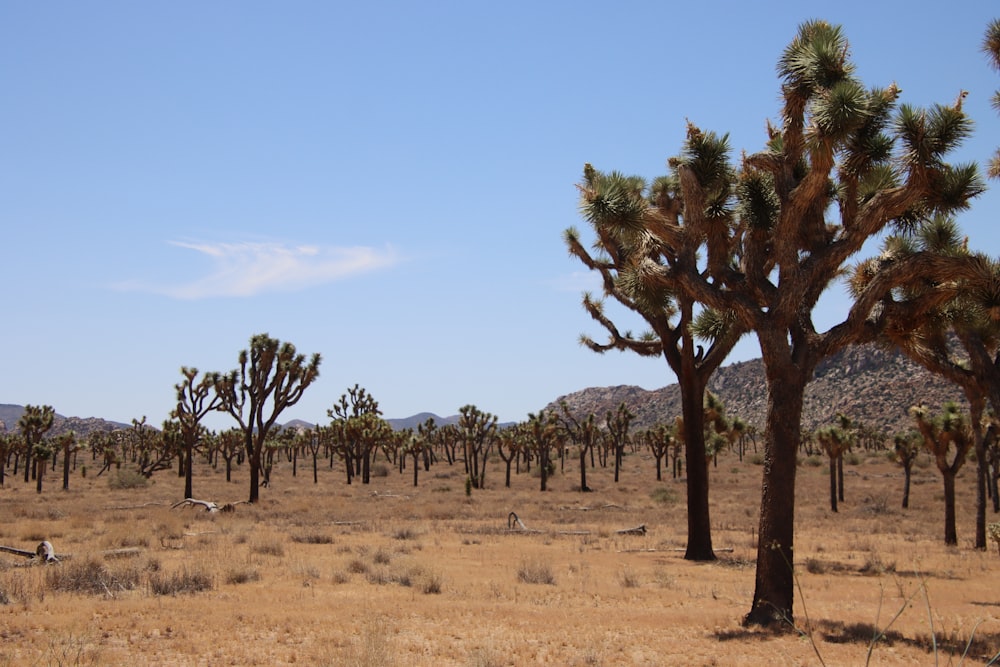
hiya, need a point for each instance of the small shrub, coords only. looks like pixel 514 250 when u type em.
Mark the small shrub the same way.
pixel 628 579
pixel 431 584
pixel 852 458
pixel 815 566
pixel 757 459
pixel 379 577
pixel 357 566
pixel 380 470
pixel 242 576
pixel 535 572
pixel 663 495
pixel 814 461
pixel 269 548
pixel 382 556
pixel 127 479
pixel 92 576
pixel 405 534
pixel 314 538
pixel 185 581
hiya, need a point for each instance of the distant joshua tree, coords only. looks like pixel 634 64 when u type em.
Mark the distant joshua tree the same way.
pixel 906 449
pixel 34 423
pixel 948 437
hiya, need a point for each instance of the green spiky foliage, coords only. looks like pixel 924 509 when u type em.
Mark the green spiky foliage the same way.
pixel 846 163
pixel 642 231
pixel 991 47
pixel 272 376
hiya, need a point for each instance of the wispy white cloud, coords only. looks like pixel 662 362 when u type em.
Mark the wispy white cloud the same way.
pixel 250 268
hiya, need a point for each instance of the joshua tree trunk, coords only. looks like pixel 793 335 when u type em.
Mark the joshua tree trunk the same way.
pixel 774 588
pixel 950 534
pixel 907 474
pixel 833 484
pixel 699 544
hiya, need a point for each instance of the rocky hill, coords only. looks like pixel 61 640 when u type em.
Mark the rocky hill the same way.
pixel 873 386
pixel 82 426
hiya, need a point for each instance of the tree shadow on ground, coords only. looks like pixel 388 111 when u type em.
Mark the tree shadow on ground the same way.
pixel 981 646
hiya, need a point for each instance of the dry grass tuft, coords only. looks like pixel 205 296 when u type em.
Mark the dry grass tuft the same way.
pixel 536 572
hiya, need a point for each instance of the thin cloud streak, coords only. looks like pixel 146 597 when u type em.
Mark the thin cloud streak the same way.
pixel 247 269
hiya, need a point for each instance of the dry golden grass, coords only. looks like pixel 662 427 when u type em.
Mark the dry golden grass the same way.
pixel 389 574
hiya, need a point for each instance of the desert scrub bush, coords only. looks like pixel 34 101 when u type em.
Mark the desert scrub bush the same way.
pixel 272 547
pixel 357 566
pixel 93 576
pixel 430 583
pixel 757 459
pixel 628 578
pixel 663 495
pixel 243 575
pixel 127 479
pixel 405 533
pixel 535 572
pixel 380 470
pixel 852 458
pixel 815 566
pixel 814 461
pixel 183 581
pixel 312 538
pixel 382 556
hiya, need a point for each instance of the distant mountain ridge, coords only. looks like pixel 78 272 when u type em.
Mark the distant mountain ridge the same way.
pixel 871 385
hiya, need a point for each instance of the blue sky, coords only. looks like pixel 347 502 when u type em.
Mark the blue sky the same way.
pixel 385 183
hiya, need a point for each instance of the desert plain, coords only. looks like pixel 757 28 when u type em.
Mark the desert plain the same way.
pixel 388 573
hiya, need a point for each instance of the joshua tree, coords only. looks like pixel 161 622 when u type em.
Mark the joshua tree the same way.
pixel 478 431
pixel 834 441
pixel 843 166
pixel 617 424
pixel 418 445
pixel 34 423
pixel 194 401
pixel 510 444
pixel 585 434
pixel 948 434
pixel 8 443
pixel 543 434
pixel 658 439
pixel 617 208
pixel 906 449
pixel 272 377
pixel 68 445
pixel 359 429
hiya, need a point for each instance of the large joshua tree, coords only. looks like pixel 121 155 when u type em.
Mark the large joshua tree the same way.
pixel 272 376
pixel 844 164
pixel 618 209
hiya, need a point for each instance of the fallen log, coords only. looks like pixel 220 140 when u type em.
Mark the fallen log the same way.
pixel 638 530
pixel 44 553
pixel 209 505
